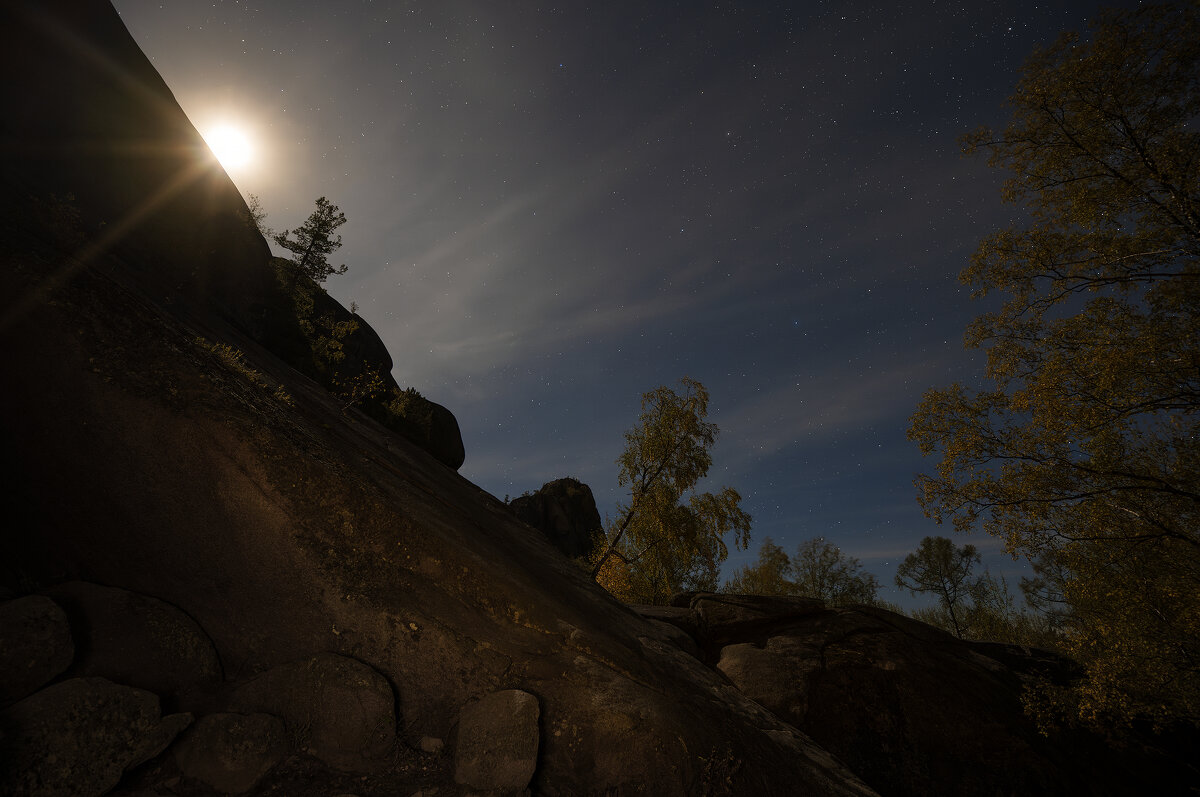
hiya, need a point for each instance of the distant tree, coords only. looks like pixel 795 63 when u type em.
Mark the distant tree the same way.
pixel 770 575
pixel 818 570
pixel 1044 592
pixel 942 569
pixel 821 570
pixel 990 612
pixel 1085 453
pixel 667 537
pixel 314 241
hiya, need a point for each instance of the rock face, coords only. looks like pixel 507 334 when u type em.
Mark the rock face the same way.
pixel 565 511
pixel 165 203
pixel 35 645
pixel 138 641
pixel 498 741
pixel 145 190
pixel 291 531
pixel 361 354
pixel 79 736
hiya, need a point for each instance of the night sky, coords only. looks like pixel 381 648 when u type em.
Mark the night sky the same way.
pixel 554 208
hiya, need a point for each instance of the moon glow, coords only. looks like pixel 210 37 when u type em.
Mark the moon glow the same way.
pixel 231 146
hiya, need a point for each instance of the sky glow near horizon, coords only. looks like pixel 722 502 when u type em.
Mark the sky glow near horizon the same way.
pixel 553 211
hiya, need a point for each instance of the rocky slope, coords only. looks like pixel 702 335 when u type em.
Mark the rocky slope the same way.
pixel 216 577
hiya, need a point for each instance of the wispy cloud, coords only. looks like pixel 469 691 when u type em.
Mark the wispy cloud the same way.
pixel 822 404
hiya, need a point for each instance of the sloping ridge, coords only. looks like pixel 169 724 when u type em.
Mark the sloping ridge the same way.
pixel 241 492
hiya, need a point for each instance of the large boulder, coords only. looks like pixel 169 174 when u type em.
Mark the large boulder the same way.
pixel 428 424
pixel 139 641
pixel 35 645
pixel 79 736
pixel 347 356
pixel 338 709
pixel 565 511
pixel 362 349
pixel 498 739
pixel 231 752
pixel 912 719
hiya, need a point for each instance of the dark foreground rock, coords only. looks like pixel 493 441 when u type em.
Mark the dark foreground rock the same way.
pixel 231 752
pixel 498 738
pixel 35 645
pixel 139 641
pixel 336 708
pixel 79 737
pixel 293 532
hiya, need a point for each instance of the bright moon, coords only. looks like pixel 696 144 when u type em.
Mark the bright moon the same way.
pixel 231 146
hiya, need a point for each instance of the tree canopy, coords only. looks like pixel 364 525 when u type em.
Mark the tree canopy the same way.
pixel 314 241
pixel 819 569
pixel 771 573
pixel 667 537
pixel 1084 452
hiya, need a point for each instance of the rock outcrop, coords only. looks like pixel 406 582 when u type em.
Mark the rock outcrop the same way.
pixel 911 709
pixel 565 511
pixel 78 737
pixel 344 353
pixel 431 426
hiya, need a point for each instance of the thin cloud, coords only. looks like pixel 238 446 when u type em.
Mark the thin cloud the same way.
pixel 821 405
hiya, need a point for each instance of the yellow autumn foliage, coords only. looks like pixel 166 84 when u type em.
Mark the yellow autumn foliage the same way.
pixel 1083 452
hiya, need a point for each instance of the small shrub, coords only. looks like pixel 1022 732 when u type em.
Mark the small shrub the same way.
pixel 361 387
pixel 233 359
pixel 406 403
